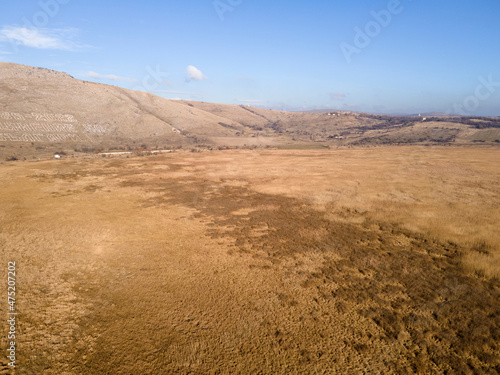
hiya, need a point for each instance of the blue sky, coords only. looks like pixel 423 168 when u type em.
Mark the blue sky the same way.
pixel 393 56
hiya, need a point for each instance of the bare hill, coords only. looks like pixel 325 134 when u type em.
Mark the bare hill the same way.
pixel 44 111
pixel 51 109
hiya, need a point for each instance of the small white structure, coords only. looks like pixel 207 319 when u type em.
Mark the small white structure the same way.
pixel 57 156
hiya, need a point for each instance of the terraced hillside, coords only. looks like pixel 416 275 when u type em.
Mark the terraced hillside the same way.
pixel 44 111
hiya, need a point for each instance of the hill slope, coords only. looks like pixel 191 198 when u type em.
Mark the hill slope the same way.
pixel 42 111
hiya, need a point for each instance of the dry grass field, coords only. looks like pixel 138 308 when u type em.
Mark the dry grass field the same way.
pixel 360 261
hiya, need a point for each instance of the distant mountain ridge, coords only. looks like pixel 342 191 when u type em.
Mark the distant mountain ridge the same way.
pixel 435 114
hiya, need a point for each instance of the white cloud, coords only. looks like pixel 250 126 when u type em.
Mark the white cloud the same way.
pixel 194 74
pixel 6 53
pixel 112 77
pixel 41 38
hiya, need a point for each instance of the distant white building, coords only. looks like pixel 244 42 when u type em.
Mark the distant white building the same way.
pixel 57 156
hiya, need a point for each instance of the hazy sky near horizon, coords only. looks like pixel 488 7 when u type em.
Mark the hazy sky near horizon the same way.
pixel 396 56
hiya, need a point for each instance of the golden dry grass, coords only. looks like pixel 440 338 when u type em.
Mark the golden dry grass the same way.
pixel 450 194
pixel 272 262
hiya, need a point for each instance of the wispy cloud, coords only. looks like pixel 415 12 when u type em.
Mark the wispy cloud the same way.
pixel 194 74
pixel 41 38
pixel 111 77
pixel 338 96
pixel 6 53
pixel 351 106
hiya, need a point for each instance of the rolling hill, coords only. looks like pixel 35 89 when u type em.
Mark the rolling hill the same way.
pixel 44 111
